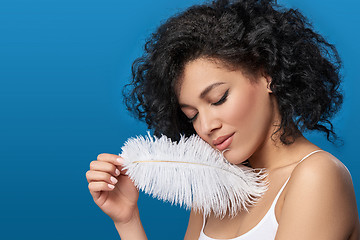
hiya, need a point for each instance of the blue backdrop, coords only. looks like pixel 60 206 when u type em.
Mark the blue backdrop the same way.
pixel 63 64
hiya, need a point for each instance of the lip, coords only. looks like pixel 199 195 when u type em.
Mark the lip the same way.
pixel 221 143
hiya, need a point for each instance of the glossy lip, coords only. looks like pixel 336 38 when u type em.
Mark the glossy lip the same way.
pixel 223 142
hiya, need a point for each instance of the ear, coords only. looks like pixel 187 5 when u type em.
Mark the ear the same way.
pixel 267 80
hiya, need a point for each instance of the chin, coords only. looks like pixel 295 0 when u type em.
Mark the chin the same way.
pixel 233 157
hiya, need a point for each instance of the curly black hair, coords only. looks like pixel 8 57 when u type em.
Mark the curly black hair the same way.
pixel 253 35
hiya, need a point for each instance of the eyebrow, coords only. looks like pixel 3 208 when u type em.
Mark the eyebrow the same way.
pixel 205 92
pixel 209 88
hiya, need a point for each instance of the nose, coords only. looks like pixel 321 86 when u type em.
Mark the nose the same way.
pixel 208 123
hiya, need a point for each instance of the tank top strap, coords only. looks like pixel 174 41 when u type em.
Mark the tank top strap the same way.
pixel 278 195
pixel 204 221
pixel 282 188
pixel 271 210
pixel 310 155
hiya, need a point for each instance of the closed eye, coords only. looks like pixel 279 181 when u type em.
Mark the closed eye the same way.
pixel 191 120
pixel 222 99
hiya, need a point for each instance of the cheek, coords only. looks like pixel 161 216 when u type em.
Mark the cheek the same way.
pixel 251 118
pixel 241 111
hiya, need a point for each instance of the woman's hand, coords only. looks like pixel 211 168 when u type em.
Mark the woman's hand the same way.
pixel 111 189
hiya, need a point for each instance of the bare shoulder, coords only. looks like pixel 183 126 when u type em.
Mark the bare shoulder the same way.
pixel 320 201
pixel 322 169
pixel 324 174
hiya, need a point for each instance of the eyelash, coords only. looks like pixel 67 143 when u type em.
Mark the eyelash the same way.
pixel 221 101
pixel 191 120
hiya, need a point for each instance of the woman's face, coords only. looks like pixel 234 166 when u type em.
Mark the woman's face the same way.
pixel 226 108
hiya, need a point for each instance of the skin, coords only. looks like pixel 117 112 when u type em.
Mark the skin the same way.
pixel 226 102
pixel 247 111
pixel 251 114
pixel 118 199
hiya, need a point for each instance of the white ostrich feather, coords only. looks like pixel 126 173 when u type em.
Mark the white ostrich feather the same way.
pixel 192 174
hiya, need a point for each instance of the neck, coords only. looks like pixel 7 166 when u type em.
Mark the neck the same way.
pixel 273 154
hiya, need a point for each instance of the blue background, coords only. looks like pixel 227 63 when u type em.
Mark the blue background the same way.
pixel 63 64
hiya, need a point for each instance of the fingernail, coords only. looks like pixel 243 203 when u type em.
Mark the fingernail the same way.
pixel 111 186
pixel 113 180
pixel 120 160
pixel 117 172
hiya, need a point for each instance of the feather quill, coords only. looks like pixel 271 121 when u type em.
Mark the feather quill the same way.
pixel 192 174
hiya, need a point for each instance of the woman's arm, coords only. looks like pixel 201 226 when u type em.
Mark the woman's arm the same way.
pixel 194 226
pixel 131 230
pixel 320 202
pixel 116 195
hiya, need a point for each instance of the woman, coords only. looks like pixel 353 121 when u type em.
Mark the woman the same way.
pixel 248 77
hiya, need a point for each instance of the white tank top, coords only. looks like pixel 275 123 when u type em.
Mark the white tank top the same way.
pixel 266 229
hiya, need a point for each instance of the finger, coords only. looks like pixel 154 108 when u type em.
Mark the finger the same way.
pixel 96 187
pixel 96 176
pixel 111 158
pixel 122 170
pixel 105 167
